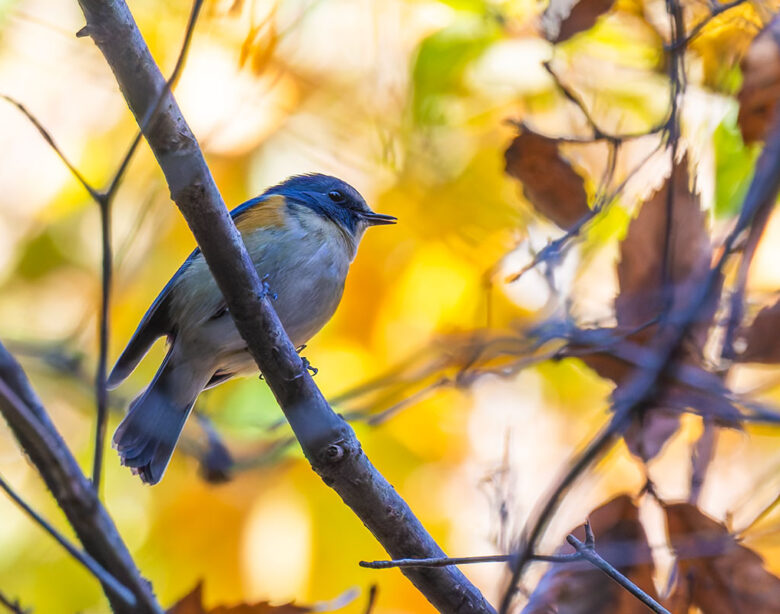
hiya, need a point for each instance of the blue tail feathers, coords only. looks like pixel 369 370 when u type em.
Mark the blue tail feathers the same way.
pixel 147 436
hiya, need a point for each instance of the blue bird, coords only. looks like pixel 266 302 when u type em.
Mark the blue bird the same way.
pixel 302 236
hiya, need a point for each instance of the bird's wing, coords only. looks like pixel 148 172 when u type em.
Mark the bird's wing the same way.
pixel 156 323
pixel 264 211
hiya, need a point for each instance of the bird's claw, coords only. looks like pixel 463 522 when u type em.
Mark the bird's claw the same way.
pixel 308 366
pixel 266 291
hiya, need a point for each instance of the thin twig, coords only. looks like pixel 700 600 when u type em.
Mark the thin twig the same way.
pixel 717 9
pixel 13 605
pixel 95 568
pixel 598 133
pixel 101 391
pixel 104 200
pixel 371 601
pixel 37 435
pixel 152 112
pixel 588 551
pixel 583 551
pixel 50 140
pixel 444 561
pixel 554 249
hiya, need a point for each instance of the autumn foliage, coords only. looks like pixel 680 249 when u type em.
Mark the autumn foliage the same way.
pixel 577 318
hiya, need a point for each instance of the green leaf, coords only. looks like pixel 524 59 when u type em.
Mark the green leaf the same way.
pixel 40 256
pixel 440 65
pixel 734 166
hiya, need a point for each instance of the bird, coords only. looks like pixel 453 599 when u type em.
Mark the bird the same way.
pixel 302 235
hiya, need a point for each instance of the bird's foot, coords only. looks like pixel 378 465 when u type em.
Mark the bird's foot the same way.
pixel 300 348
pixel 266 291
pixel 308 366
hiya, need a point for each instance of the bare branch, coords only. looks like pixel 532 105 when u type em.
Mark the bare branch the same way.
pixel 443 561
pixel 177 69
pixel 12 605
pixel 371 601
pixel 40 440
pixel 50 140
pixel 101 392
pixel 104 200
pixel 555 249
pixel 95 568
pixel 583 551
pixel 327 441
pixel 717 9
pixel 588 552
pixel 598 133
pixel 465 560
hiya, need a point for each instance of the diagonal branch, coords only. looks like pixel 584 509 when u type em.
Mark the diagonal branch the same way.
pixel 50 141
pixel 587 550
pixel 583 551
pixel 12 605
pixel 40 440
pixel 95 568
pixel 327 441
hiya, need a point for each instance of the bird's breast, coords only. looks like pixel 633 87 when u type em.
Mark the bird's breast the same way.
pixel 306 272
pixel 305 264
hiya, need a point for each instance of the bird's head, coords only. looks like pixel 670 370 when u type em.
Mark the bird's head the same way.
pixel 334 199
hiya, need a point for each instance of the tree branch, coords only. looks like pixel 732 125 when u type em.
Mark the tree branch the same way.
pixel 95 568
pixel 587 551
pixel 12 605
pixel 40 440
pixel 466 560
pixel 583 551
pixel 327 441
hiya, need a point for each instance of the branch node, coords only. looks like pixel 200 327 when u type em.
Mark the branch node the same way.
pixel 334 453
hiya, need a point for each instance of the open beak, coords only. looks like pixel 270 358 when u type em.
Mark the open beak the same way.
pixel 378 219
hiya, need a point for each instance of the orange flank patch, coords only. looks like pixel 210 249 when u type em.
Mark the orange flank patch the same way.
pixel 269 213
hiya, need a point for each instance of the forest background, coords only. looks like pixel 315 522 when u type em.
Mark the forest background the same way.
pixel 416 104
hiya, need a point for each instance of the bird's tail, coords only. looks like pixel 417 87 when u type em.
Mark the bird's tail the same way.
pixel 145 439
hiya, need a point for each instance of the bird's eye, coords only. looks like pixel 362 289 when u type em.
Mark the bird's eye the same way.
pixel 336 196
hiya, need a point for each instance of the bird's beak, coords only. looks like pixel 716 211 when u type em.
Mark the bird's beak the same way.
pixel 378 219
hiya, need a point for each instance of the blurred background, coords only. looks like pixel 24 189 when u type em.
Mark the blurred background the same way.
pixel 409 101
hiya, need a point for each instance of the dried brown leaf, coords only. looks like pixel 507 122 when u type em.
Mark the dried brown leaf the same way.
pixel 762 337
pixel 561 20
pixel 715 573
pixel 645 287
pixel 760 83
pixel 580 588
pixel 192 603
pixel 549 183
pixel 651 284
